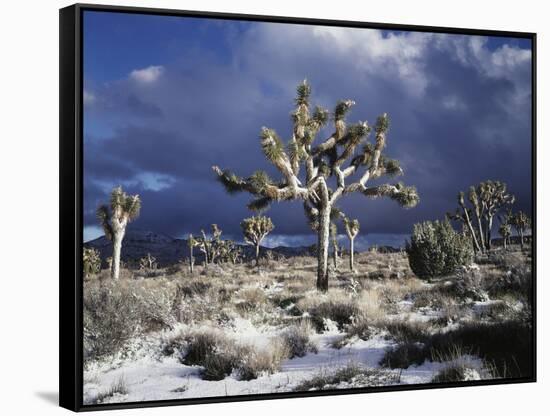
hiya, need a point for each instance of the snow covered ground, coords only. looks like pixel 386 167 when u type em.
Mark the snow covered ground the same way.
pixel 149 376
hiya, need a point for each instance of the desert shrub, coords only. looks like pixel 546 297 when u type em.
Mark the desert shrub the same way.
pixel 91 262
pixel 116 311
pixel 362 327
pixel 250 299
pixel 517 281
pixel 199 345
pixel 404 355
pixel 341 311
pixel 408 331
pixel 265 361
pixel 505 347
pixel 296 339
pixel 194 288
pixel 220 364
pixel 469 284
pixel 436 249
pixel 109 320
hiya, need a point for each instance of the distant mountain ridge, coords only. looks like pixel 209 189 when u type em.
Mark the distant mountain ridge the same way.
pixel 168 250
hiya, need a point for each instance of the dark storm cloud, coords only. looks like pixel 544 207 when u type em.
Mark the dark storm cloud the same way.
pixel 460 113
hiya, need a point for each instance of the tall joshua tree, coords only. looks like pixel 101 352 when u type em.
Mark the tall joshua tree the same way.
pixel 493 196
pixel 114 219
pixel 255 229
pixel 521 222
pixel 352 229
pixel 505 231
pixel 334 241
pixel 329 159
pixel 464 215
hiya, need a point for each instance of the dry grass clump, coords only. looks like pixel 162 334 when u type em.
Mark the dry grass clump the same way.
pixel 220 356
pixel 296 340
pixel 336 307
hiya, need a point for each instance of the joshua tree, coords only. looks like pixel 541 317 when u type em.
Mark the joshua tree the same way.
pixel 464 215
pixel 521 222
pixel 352 229
pixel 114 218
pixel 148 262
pixel 91 262
pixel 505 230
pixel 191 243
pixel 329 159
pixel 487 199
pixel 493 196
pixel 210 246
pixel 255 229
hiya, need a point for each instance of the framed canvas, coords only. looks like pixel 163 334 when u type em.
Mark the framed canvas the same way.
pixel 259 207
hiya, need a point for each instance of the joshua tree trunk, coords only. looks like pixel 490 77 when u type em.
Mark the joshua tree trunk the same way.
pixel 481 233
pixel 521 238
pixel 505 242
pixel 489 228
pixel 117 245
pixel 258 254
pixel 335 256
pixel 322 247
pixel 477 248
pixel 351 267
pixel 191 259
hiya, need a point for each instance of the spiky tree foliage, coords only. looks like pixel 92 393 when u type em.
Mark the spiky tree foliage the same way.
pixel 148 262
pixel 505 231
pixel 114 219
pixel 91 262
pixel 436 249
pixel 352 229
pixel 336 157
pixel 255 229
pixel 521 223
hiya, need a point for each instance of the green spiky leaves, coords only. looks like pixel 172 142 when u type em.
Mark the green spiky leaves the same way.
pixel 320 117
pixel 303 91
pixel 392 167
pixel 406 196
pixel 382 124
pixel 342 108
pixel 104 217
pixel 272 145
pixel 356 133
pixel 231 182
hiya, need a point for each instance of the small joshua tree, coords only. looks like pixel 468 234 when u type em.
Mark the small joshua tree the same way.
pixel 487 200
pixel 505 231
pixel 352 229
pixel 191 243
pixel 210 246
pixel 114 219
pixel 328 160
pixel 521 223
pixel 148 262
pixel 464 215
pixel 91 262
pixel 255 229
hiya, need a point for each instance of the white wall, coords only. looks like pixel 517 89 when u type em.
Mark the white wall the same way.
pixel 28 240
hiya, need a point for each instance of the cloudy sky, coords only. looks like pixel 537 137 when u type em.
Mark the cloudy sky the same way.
pixel 165 98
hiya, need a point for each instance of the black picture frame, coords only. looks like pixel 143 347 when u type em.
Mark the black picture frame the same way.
pixel 71 199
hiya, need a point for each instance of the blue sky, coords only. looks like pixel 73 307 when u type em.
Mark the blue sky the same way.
pixel 167 97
